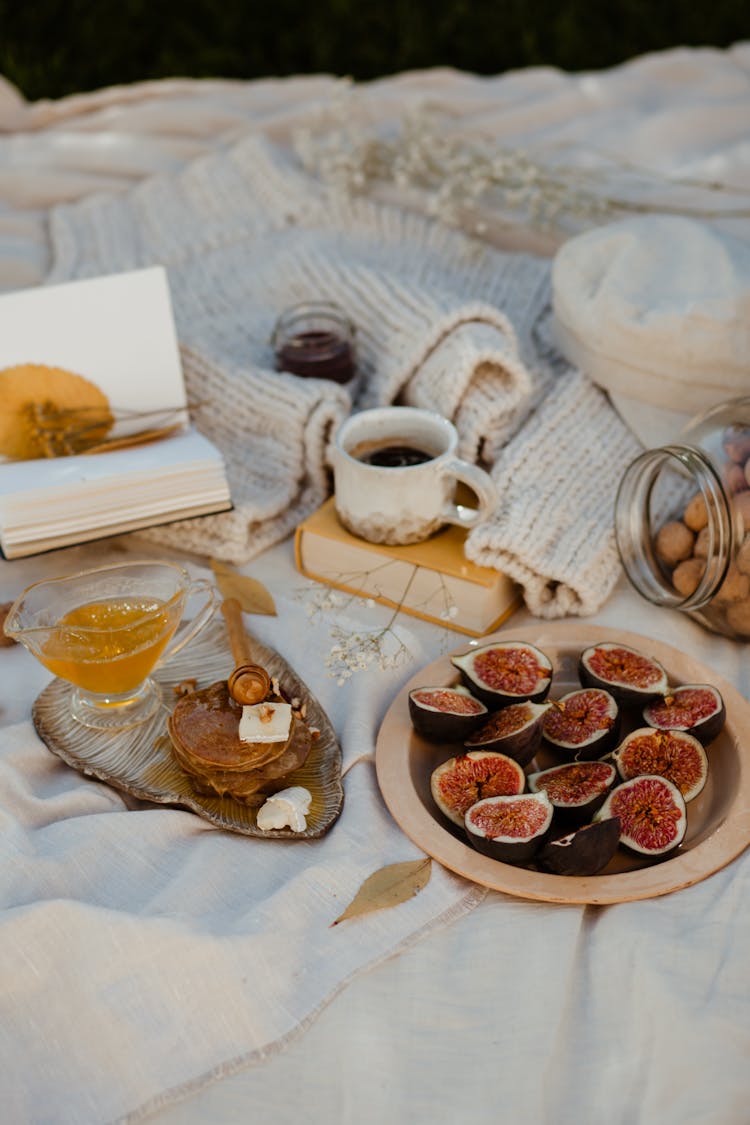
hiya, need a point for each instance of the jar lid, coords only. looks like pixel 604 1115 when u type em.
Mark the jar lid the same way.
pixel 656 308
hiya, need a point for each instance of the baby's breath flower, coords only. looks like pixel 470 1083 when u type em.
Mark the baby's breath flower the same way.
pixel 357 650
pixel 457 175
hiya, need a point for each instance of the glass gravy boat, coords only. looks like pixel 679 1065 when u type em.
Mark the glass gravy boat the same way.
pixel 105 630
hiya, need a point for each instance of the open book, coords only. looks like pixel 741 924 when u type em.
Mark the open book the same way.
pixel 95 433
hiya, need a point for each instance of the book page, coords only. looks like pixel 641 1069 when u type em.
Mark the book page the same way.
pixel 116 331
pixel 23 483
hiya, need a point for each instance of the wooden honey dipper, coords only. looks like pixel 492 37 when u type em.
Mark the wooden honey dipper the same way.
pixel 248 683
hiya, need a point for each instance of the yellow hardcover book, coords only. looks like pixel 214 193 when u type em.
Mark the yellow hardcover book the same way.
pixel 433 580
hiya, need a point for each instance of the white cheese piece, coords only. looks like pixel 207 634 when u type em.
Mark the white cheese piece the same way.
pixel 287 807
pixel 265 722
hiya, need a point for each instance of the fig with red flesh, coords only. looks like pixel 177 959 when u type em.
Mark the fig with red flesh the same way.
pixel 673 754
pixel 511 829
pixel 587 851
pixel 445 714
pixel 653 820
pixel 460 782
pixel 515 731
pixel 582 724
pixel 695 708
pixel 630 676
pixel 576 789
pixel 505 672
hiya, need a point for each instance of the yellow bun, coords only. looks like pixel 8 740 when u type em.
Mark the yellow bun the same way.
pixel 30 387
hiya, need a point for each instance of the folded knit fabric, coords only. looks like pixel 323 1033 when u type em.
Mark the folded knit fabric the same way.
pixel 552 530
pixel 274 450
pixel 442 321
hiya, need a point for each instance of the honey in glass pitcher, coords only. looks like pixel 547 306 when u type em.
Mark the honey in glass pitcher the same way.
pixel 104 630
pixel 110 646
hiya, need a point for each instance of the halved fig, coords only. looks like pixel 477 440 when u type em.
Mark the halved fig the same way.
pixel 630 676
pixel 576 789
pixel 695 708
pixel 511 829
pixel 653 820
pixel 445 714
pixel 461 781
pixel 673 754
pixel 505 672
pixel 582 724
pixel 584 852
pixel 515 731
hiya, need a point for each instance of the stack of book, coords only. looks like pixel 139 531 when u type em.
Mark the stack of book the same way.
pixel 432 580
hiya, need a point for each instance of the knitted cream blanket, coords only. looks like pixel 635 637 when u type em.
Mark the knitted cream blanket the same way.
pixel 443 322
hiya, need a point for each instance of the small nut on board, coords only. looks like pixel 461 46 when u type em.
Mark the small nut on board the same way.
pixel 185 687
pixel 5 642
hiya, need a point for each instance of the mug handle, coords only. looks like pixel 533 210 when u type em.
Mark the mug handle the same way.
pixel 186 632
pixel 480 483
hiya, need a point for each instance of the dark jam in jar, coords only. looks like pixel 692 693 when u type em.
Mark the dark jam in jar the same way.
pixel 317 355
pixel 315 340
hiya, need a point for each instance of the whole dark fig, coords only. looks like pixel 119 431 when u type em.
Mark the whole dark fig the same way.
pixel 582 724
pixel 673 754
pixel 445 714
pixel 653 820
pixel 505 672
pixel 695 708
pixel 460 782
pixel 584 852
pixel 576 789
pixel 515 731
pixel 511 829
pixel 630 676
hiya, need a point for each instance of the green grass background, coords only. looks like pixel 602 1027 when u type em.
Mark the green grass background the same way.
pixel 53 47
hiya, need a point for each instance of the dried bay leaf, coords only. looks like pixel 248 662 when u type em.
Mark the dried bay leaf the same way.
pixel 395 883
pixel 249 592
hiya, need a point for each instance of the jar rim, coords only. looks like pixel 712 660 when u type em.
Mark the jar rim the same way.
pixel 302 310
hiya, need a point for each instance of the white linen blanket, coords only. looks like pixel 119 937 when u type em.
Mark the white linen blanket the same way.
pixel 144 953
pixel 168 902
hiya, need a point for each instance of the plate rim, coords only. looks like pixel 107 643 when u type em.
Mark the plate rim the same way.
pixel 724 844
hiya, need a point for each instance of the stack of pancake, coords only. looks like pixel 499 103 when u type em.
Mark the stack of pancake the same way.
pixel 204 728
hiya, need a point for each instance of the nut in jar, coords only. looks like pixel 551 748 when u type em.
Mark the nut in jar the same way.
pixel 682 521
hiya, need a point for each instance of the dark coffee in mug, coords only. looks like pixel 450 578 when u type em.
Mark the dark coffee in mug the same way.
pixel 390 453
pixel 382 506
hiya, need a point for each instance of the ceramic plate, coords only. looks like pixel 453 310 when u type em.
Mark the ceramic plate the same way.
pixel 718 819
pixel 140 763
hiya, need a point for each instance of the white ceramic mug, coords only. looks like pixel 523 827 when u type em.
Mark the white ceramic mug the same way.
pixel 395 474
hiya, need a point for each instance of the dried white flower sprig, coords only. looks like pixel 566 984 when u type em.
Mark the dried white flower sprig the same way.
pixel 357 650
pixel 459 176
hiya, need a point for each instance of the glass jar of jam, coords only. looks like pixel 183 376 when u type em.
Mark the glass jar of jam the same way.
pixel 682 520
pixel 315 339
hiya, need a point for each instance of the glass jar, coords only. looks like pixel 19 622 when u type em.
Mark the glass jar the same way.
pixel 682 521
pixel 315 339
